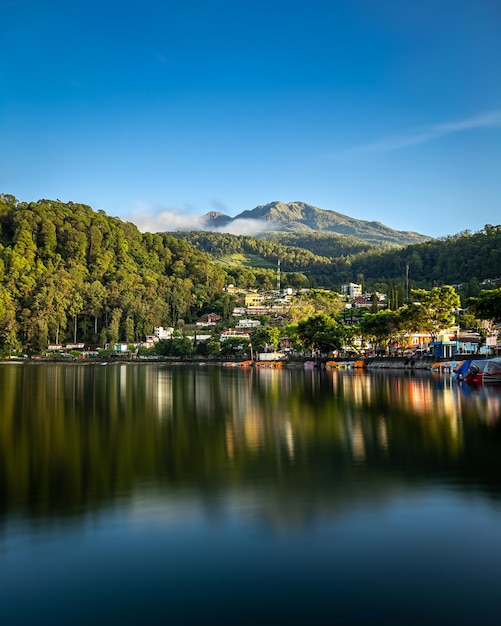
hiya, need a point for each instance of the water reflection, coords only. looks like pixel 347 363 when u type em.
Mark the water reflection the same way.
pixel 78 437
pixel 190 495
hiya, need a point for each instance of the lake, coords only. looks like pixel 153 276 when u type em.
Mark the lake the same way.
pixel 163 494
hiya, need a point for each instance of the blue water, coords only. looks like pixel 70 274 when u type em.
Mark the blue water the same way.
pixel 181 496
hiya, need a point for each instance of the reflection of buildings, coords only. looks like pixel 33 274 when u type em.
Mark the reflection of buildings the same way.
pixel 284 412
pixel 253 427
pixel 289 444
pixel 398 397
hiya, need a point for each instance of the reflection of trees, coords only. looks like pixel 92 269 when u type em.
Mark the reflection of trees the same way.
pixel 76 437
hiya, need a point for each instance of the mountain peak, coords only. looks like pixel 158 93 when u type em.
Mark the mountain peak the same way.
pixel 302 217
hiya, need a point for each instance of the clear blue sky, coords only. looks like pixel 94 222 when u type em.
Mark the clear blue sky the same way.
pixel 160 110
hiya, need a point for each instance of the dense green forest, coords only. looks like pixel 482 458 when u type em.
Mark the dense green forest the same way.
pixel 68 273
pixel 459 259
pixel 292 258
pixel 332 260
pixel 330 245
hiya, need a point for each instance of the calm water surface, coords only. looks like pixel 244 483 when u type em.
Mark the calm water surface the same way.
pixel 196 495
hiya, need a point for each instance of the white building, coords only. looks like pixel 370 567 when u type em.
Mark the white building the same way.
pixel 159 333
pixel 234 333
pixel 353 290
pixel 246 323
pixel 163 333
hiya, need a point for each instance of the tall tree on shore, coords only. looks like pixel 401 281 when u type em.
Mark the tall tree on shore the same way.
pixel 487 305
pixel 432 310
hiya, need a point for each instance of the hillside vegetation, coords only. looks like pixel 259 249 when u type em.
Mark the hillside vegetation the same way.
pixel 332 260
pixel 453 260
pixel 67 272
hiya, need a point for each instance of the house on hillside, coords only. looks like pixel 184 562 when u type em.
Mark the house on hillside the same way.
pixel 234 333
pixel 253 299
pixel 232 289
pixel 247 323
pixel 163 333
pixel 159 334
pixel 210 319
pixel 362 302
pixel 352 290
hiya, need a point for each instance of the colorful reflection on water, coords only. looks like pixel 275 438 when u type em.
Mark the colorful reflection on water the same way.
pixel 184 494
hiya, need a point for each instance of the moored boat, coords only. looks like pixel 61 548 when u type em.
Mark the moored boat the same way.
pixel 492 371
pixel 269 364
pixel 475 375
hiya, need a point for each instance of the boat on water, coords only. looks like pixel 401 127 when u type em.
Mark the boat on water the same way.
pixel 492 372
pixel 338 365
pixel 473 371
pixel 269 364
pixel 463 367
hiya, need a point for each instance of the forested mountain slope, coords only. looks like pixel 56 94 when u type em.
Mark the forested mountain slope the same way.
pixel 219 245
pixel 331 260
pixel 456 259
pixel 68 272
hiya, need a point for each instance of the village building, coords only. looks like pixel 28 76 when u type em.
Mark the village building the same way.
pixel 163 333
pixel 232 289
pixel 234 333
pixel 267 310
pixel 210 319
pixel 352 290
pixel 253 299
pixel 248 323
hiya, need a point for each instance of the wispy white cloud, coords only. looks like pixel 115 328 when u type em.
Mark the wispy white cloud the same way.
pixel 246 227
pixel 430 133
pixel 165 220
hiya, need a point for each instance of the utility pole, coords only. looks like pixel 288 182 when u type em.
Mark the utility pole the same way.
pixel 407 283
pixel 278 275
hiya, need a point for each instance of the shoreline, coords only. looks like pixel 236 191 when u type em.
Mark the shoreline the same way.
pixel 370 363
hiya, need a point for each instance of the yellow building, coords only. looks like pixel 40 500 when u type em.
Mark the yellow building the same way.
pixel 253 299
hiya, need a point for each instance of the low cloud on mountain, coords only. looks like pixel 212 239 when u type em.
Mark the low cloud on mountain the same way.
pixel 174 220
pixel 166 220
pixel 245 227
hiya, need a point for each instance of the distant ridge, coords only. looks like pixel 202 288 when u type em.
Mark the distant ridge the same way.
pixel 216 219
pixel 299 217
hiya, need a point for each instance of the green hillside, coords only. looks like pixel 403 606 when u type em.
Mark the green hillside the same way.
pixel 69 273
pixel 330 260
